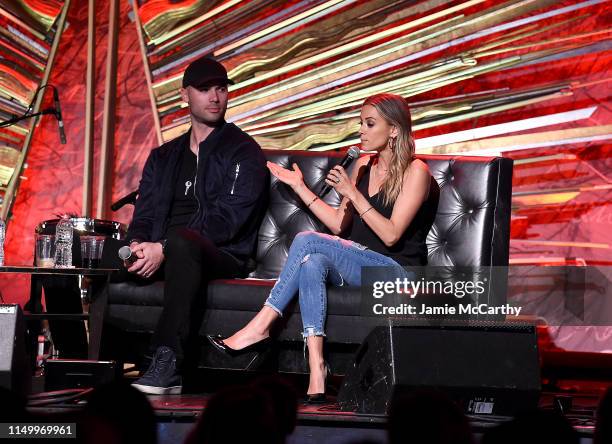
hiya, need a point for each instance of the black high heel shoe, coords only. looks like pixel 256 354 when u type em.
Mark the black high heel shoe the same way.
pixel 259 346
pixel 318 398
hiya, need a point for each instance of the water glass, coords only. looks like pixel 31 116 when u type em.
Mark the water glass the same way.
pixel 91 251
pixel 45 250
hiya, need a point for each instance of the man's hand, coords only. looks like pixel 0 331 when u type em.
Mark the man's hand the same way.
pixel 150 257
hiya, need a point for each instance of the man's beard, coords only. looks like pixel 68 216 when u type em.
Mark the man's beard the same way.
pixel 208 122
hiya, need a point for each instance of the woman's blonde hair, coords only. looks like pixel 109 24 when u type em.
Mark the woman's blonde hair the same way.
pixel 395 110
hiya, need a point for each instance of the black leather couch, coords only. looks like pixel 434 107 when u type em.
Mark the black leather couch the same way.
pixel 472 228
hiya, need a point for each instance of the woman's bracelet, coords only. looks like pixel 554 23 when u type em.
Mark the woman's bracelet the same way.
pixel 361 215
pixel 312 201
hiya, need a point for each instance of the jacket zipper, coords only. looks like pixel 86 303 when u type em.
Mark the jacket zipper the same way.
pixel 195 182
pixel 235 178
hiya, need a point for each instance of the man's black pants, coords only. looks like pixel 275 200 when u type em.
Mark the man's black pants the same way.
pixel 192 261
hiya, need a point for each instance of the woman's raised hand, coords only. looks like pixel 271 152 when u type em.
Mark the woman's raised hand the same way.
pixel 294 178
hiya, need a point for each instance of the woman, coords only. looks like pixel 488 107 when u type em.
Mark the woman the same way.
pixel 387 190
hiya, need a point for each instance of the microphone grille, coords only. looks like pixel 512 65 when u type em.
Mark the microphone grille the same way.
pixel 353 152
pixel 125 253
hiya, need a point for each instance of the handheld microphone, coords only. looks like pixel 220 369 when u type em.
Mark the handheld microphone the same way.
pixel 58 115
pixel 125 254
pixel 352 154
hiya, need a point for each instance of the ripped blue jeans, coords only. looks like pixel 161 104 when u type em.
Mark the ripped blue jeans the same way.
pixel 314 260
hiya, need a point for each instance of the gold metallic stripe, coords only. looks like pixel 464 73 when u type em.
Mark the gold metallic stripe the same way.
pixel 305 137
pixel 316 77
pixel 523 33
pixel 543 43
pixel 538 159
pixel 277 26
pixel 482 21
pixel 521 139
pixel 202 18
pixel 354 45
pixel 9 87
pixel 147 71
pixel 562 243
pixel 544 199
pixel 45 20
pixel 330 104
pixel 419 8
pixel 21 23
pixel 11 188
pixel 454 119
pixel 253 64
pixel 165 20
pixel 330 31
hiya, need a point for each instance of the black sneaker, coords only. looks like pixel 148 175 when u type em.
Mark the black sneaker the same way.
pixel 161 378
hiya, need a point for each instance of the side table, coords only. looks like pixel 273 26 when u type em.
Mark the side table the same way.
pixel 97 308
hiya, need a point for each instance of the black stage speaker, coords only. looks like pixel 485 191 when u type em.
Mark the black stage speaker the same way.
pixel 15 374
pixel 61 374
pixel 486 369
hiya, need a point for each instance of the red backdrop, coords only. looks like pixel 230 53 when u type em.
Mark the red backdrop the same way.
pixel 53 179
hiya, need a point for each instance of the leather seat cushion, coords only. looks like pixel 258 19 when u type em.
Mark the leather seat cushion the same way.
pixel 233 294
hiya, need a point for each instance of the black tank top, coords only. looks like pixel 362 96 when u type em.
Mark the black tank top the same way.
pixel 411 248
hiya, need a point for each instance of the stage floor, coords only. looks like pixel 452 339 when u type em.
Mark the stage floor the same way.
pixel 176 415
pixel 327 424
pixel 584 398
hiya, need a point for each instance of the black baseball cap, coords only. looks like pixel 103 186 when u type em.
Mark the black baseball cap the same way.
pixel 205 72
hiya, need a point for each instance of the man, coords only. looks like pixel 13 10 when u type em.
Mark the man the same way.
pixel 197 214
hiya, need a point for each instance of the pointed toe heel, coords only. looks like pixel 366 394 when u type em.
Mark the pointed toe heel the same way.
pixel 319 398
pixel 316 399
pixel 220 345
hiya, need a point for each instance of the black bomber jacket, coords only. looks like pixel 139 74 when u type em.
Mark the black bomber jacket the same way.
pixel 231 189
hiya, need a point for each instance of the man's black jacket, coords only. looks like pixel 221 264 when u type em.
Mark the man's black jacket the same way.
pixel 231 189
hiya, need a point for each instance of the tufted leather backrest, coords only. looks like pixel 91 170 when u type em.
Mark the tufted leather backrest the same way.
pixel 472 225
pixel 287 215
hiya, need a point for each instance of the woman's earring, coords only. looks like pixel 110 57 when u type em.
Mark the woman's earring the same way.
pixel 391 143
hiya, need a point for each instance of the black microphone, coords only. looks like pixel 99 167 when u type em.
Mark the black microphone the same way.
pixel 129 199
pixel 352 154
pixel 58 115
